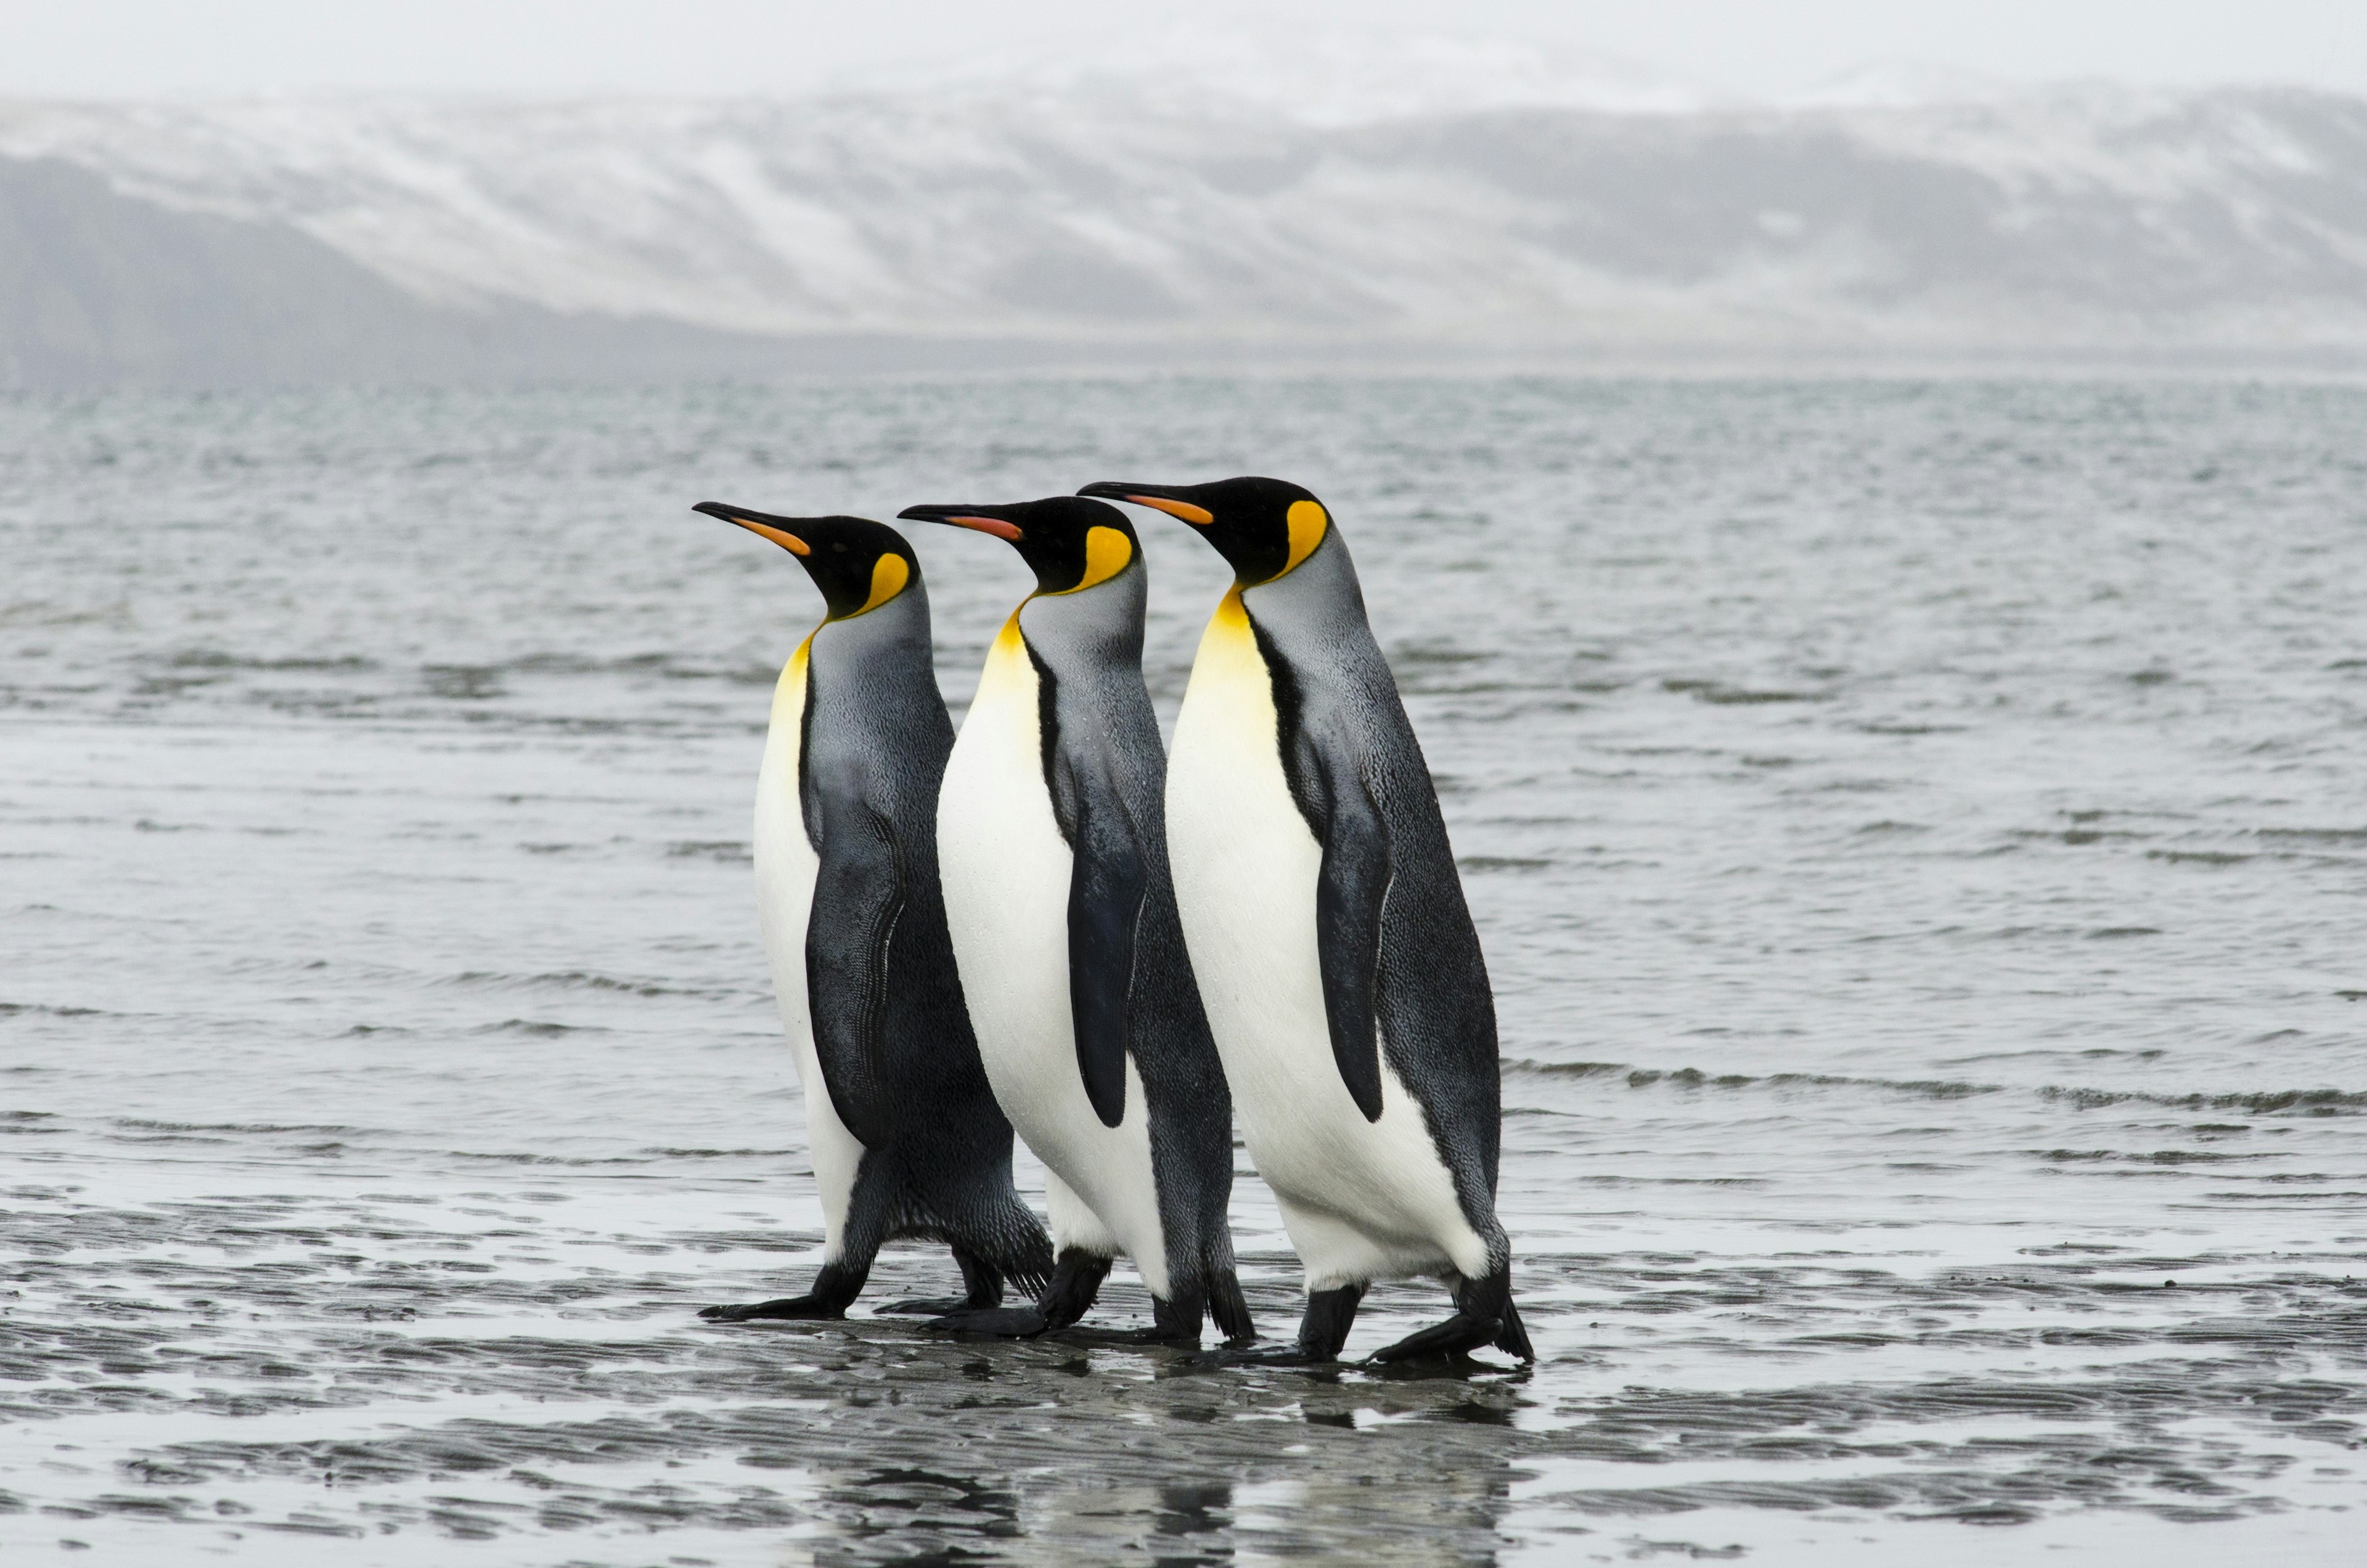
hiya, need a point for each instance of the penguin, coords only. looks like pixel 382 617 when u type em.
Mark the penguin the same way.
pixel 1337 959
pixel 907 1138
pixel 1052 838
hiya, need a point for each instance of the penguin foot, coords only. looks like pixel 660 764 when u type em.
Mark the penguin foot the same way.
pixel 802 1309
pixel 1117 1337
pixel 1462 1331
pixel 929 1306
pixel 999 1322
pixel 1263 1356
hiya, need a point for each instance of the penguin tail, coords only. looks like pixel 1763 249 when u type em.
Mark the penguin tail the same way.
pixel 1226 1307
pixel 1512 1338
pixel 1492 1297
pixel 1016 1245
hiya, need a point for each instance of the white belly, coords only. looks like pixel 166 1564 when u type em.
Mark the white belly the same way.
pixel 1006 872
pixel 1362 1199
pixel 785 869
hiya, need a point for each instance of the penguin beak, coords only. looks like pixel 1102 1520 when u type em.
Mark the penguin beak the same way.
pixel 1164 498
pixel 774 528
pixel 976 517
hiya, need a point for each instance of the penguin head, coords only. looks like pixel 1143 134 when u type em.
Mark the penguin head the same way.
pixel 859 565
pixel 1265 528
pixel 1072 544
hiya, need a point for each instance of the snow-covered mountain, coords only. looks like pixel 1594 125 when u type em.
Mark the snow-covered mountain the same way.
pixel 1501 201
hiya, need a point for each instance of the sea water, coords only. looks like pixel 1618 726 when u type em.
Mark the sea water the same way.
pixel 1919 832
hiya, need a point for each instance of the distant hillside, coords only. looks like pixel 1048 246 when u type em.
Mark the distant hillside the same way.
pixel 1160 221
pixel 100 290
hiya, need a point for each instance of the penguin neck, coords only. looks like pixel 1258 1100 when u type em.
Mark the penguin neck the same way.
pixel 895 635
pixel 1083 635
pixel 1318 597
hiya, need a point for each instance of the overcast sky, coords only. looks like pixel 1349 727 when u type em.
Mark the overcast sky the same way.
pixel 134 48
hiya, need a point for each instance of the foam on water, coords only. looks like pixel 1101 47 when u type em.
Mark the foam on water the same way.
pixel 1917 832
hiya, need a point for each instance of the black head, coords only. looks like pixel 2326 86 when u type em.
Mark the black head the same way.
pixel 1071 543
pixel 859 565
pixel 1265 528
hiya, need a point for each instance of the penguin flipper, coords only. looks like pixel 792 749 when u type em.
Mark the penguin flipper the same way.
pixel 859 892
pixel 1105 893
pixel 1350 892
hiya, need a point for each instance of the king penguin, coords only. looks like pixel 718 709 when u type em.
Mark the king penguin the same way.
pixel 1337 959
pixel 907 1138
pixel 1053 841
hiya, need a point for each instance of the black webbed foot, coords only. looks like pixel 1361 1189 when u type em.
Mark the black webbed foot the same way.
pixel 1000 1322
pixel 1288 1355
pixel 1174 1321
pixel 1329 1315
pixel 835 1286
pixel 1120 1337
pixel 803 1309
pixel 1458 1335
pixel 983 1288
pixel 929 1306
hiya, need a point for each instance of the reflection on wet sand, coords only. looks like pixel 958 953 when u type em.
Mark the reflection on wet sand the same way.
pixel 1061 1456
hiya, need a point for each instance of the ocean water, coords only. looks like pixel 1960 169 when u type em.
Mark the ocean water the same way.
pixel 1919 832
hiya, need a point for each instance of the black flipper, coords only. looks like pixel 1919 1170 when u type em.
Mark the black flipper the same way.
pixel 859 893
pixel 1105 894
pixel 1349 894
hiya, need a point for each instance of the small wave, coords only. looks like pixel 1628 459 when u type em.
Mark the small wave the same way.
pixel 718 849
pixel 1693 1078
pixel 214 658
pixel 2266 1102
pixel 664 666
pixel 539 1027
pixel 573 980
pixel 1724 695
pixel 2312 1101
pixel 145 1124
pixel 2158 1156
pixel 1481 864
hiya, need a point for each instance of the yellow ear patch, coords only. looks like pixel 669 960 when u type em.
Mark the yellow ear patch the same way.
pixel 1106 553
pixel 1307 523
pixel 889 575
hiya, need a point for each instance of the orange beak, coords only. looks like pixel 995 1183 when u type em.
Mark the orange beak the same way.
pixel 994 525
pixel 1199 516
pixel 781 537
